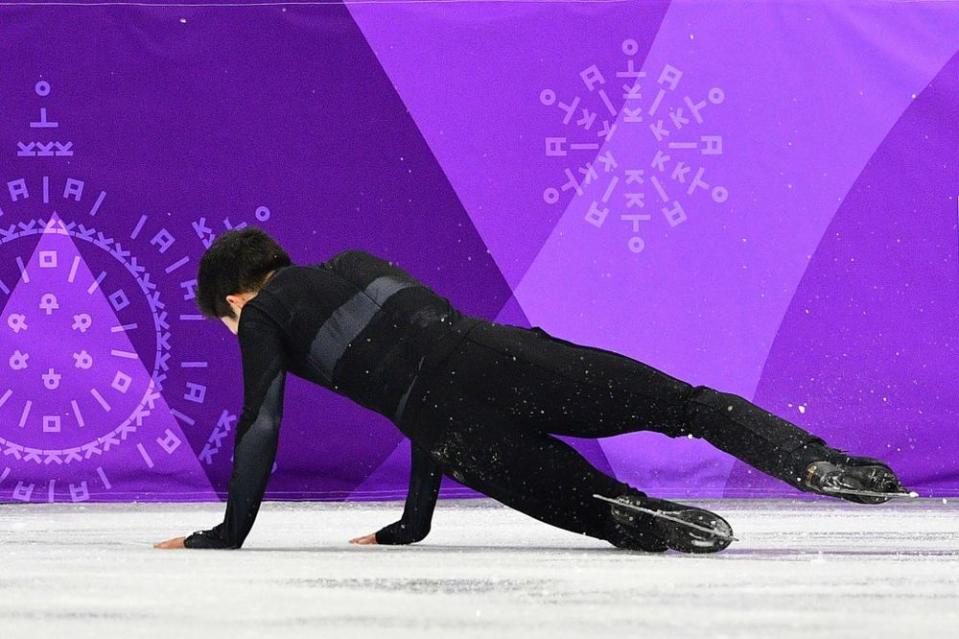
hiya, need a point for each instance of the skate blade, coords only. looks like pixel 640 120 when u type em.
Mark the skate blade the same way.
pixel 656 513
pixel 869 493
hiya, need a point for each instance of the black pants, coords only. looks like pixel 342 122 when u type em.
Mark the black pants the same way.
pixel 488 412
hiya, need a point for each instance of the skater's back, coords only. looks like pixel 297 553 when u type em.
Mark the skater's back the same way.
pixel 355 323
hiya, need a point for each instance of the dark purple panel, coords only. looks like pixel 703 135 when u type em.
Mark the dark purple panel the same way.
pixel 200 119
pixel 869 349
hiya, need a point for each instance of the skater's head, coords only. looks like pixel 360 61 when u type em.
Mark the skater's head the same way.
pixel 233 270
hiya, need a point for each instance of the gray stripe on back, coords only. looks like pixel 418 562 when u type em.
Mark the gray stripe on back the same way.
pixel 349 319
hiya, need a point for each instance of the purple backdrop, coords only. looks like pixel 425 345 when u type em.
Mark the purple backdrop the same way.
pixel 756 197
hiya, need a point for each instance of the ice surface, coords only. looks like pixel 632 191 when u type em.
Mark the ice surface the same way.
pixel 812 569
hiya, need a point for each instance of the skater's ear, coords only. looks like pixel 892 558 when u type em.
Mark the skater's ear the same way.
pixel 238 300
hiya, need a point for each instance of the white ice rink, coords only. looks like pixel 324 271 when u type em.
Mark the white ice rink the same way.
pixel 802 569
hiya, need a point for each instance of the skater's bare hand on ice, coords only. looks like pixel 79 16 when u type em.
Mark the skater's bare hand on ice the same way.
pixel 176 542
pixel 365 539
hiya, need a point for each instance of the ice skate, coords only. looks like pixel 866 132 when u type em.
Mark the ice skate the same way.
pixel 860 479
pixel 680 527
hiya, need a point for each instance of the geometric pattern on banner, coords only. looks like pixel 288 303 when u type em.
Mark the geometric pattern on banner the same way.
pixel 705 307
pixel 80 413
pixel 163 155
pixel 479 102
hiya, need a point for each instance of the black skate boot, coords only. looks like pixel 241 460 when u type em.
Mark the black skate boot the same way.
pixel 657 524
pixel 633 535
pixel 863 480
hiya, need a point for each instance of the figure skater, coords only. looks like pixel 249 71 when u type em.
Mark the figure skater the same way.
pixel 480 401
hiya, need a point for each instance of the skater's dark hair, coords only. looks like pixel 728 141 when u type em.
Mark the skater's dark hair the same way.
pixel 237 262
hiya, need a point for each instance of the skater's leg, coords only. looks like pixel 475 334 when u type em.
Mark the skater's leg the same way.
pixel 549 480
pixel 532 472
pixel 559 387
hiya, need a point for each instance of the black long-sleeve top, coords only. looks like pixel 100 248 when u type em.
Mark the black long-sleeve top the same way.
pixel 355 324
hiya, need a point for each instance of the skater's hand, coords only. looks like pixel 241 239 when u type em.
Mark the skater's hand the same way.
pixel 365 539
pixel 176 542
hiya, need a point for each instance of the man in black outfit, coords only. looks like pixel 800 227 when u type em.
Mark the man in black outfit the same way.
pixel 479 401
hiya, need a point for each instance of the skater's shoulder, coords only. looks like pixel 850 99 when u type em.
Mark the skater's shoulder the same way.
pixel 360 263
pixel 355 254
pixel 258 316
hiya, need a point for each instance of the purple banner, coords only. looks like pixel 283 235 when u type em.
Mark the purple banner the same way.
pixel 761 198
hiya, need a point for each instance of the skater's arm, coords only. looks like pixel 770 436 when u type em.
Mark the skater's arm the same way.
pixel 414 525
pixel 257 431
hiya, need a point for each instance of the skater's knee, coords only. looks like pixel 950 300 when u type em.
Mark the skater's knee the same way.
pixel 714 400
pixel 695 400
pixel 666 410
pixel 705 395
